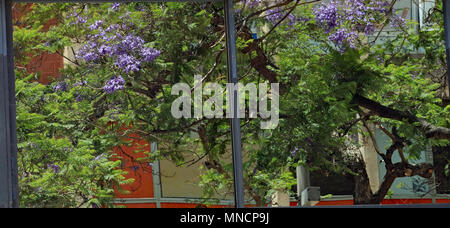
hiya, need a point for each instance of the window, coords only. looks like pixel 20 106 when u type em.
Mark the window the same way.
pixel 425 9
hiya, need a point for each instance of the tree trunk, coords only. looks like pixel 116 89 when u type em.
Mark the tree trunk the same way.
pixel 378 197
pixel 362 193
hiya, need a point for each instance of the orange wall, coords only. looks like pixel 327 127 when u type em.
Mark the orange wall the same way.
pixel 139 205
pixel 140 171
pixel 386 201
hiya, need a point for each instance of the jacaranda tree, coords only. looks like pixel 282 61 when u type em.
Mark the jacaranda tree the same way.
pixel 336 80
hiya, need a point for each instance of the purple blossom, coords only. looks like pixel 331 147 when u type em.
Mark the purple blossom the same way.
pixel 132 42
pixel 33 145
pixel 369 28
pixel 344 19
pixel 112 28
pixel 126 50
pixel 80 20
pixel 96 25
pixel 379 58
pixel 55 168
pixel 149 54
pixel 80 83
pixel 68 149
pixel 293 20
pixel 60 86
pixel 397 21
pixel 327 14
pixel 74 13
pixel 342 37
pixel 128 63
pixel 252 3
pixel 115 6
pixel 105 50
pixel 90 56
pixel 274 15
pixel 79 97
pixel 101 35
pixel 87 52
pixel 100 157
pixel 114 84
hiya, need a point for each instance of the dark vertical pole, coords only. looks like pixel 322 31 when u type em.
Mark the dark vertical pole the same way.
pixel 446 9
pixel 235 121
pixel 8 144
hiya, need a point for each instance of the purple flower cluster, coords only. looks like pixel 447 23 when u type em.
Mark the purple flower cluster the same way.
pixel 96 25
pixel 114 84
pixel 327 15
pixel 128 52
pixel 100 157
pixel 79 97
pixel 128 63
pixel 131 42
pixel 55 168
pixel 77 18
pixel 294 20
pixel 87 52
pixel 115 6
pixel 60 86
pixel 80 83
pixel 150 54
pixel 274 15
pixel 33 145
pixel 342 36
pixel 397 21
pixel 344 19
pixel 252 3
pixel 80 20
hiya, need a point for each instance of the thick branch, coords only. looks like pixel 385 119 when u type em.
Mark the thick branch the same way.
pixel 429 130
pixel 260 62
pixel 400 170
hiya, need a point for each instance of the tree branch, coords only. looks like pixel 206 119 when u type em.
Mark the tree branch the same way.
pixel 428 129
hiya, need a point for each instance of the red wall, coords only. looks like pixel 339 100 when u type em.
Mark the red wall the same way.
pixel 47 64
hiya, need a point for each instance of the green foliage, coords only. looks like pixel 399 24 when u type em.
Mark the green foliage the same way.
pixel 74 127
pixel 51 136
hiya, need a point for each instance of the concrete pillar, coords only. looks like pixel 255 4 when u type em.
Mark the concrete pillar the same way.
pixel 302 180
pixel 370 157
